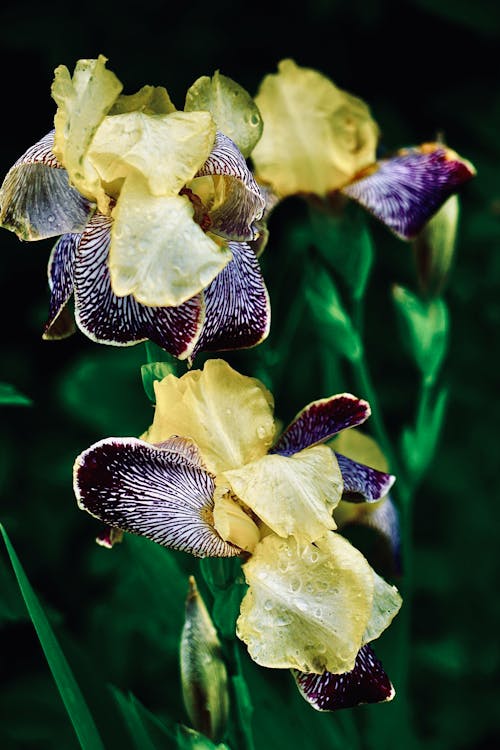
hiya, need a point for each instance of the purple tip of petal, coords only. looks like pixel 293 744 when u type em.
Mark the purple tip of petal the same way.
pixel 405 191
pixel 321 420
pixel 122 321
pixel 109 536
pixel 155 492
pixel 237 309
pixel 362 484
pixel 366 683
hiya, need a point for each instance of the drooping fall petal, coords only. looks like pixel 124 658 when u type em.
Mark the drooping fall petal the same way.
pixel 36 199
pixel 158 253
pixel 236 198
pixel 60 271
pixel 306 609
pixel 320 420
pixel 293 496
pixel 106 318
pixel 362 483
pixel 237 307
pixel 228 415
pixel 157 492
pixel 366 683
pixel 405 191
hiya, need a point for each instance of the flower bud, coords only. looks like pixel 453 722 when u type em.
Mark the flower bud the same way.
pixel 203 672
pixel 434 247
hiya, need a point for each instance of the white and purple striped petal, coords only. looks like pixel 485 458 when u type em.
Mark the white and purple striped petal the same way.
pixel 321 420
pixel 60 272
pixel 36 199
pixel 237 308
pixel 243 201
pixel 405 191
pixel 366 683
pixel 362 483
pixel 160 493
pixel 121 321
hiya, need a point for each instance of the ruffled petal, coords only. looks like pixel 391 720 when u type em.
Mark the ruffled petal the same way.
pixel 405 191
pixel 151 491
pixel 106 318
pixel 362 483
pixel 366 683
pixel 158 253
pixel 386 604
pixel 229 416
pixel 293 496
pixel 316 137
pixel 237 200
pixel 36 199
pixel 306 609
pixel 237 307
pixel 60 271
pixel 320 420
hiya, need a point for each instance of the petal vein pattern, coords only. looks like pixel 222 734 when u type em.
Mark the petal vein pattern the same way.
pixel 151 491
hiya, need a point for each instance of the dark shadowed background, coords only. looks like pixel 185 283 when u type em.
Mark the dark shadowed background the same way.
pixel 423 67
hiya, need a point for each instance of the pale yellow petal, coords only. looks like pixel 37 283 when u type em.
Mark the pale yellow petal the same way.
pixel 293 495
pixel 167 150
pixel 83 101
pixel 153 100
pixel 386 604
pixel 306 611
pixel 228 415
pixel 316 137
pixel 158 253
pixel 232 522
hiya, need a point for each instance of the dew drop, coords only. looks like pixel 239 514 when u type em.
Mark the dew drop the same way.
pixel 268 605
pixel 51 219
pixel 261 431
pixel 283 566
pixel 295 584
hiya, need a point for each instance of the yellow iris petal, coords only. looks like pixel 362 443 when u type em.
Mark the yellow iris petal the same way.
pixel 307 609
pixel 386 604
pixel 167 150
pixel 83 101
pixel 158 253
pixel 294 495
pixel 229 416
pixel 316 137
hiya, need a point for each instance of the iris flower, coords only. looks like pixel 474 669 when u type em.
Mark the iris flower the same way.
pixel 321 141
pixel 156 209
pixel 212 478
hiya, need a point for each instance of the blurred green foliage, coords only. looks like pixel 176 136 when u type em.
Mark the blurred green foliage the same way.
pixel 424 68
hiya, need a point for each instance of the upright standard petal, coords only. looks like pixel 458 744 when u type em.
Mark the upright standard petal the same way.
pixel 61 271
pixel 228 415
pixel 321 420
pixel 293 496
pixel 152 491
pixel 237 307
pixel 36 199
pixel 306 609
pixel 109 319
pixel 316 137
pixel 366 683
pixel 158 253
pixel 405 191
pixel 236 199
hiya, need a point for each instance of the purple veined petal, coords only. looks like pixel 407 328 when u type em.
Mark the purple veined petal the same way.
pixel 366 683
pixel 362 484
pixel 237 307
pixel 321 420
pixel 60 272
pixel 36 199
pixel 406 190
pixel 151 491
pixel 244 202
pixel 123 321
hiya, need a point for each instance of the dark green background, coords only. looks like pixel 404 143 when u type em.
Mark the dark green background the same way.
pixel 423 67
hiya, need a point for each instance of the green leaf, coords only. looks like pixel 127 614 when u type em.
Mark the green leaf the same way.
pixel 334 325
pixel 145 729
pixel 419 444
pixel 344 241
pixel 10 396
pixel 424 330
pixel 154 371
pixel 190 739
pixel 72 698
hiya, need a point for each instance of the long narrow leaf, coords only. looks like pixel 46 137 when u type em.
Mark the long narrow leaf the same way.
pixel 71 695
